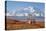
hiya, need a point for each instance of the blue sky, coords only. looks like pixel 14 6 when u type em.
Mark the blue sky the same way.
pixel 12 5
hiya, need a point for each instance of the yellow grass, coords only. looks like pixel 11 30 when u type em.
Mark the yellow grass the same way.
pixel 13 25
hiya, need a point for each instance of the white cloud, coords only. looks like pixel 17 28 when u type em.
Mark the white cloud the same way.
pixel 42 14
pixel 26 14
pixel 12 13
pixel 37 14
pixel 7 14
pixel 19 14
pixel 30 9
pixel 26 9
